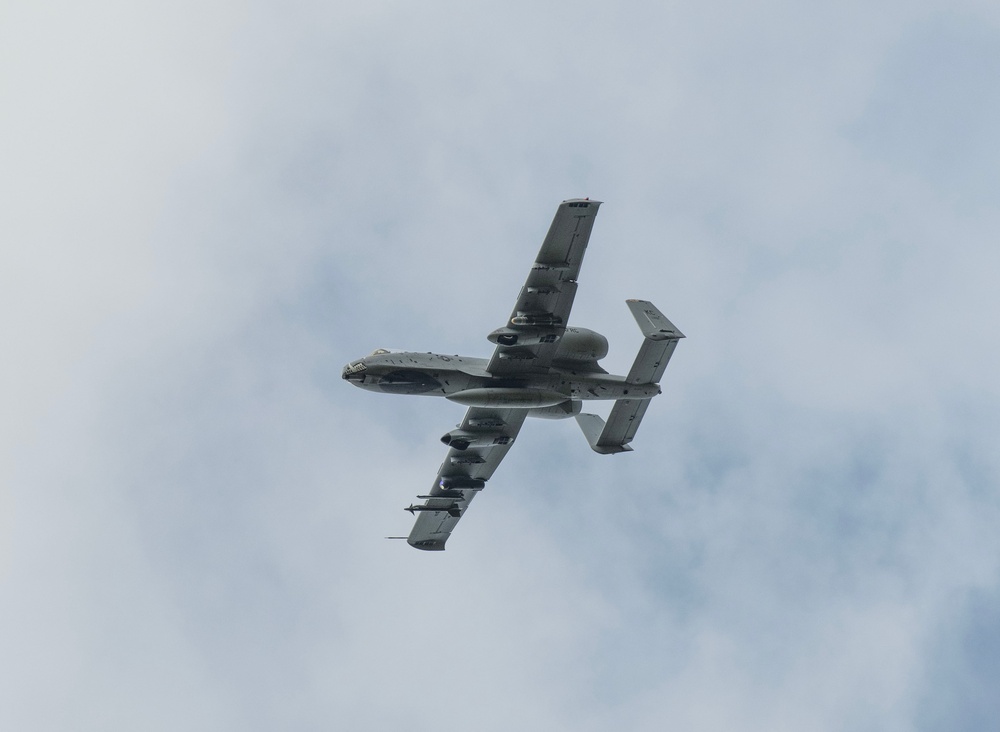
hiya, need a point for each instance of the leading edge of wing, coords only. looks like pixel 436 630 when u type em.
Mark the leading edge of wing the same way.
pixel 464 472
pixel 529 340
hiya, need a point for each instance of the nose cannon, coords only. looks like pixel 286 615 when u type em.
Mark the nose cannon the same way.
pixel 355 371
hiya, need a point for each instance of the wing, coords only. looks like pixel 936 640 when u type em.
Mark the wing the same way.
pixel 464 473
pixel 530 339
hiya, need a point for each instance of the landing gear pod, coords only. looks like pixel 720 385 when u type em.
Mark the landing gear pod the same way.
pixel 461 483
pixel 463 439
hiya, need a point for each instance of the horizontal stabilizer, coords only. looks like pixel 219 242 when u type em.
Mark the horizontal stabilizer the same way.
pixel 653 324
pixel 661 337
pixel 594 430
pixel 623 422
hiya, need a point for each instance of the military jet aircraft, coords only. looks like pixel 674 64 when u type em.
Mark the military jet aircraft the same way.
pixel 541 367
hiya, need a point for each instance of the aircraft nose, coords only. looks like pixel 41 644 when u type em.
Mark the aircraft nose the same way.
pixel 354 371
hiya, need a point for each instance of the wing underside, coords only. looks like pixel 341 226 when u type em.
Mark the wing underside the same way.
pixel 464 473
pixel 531 337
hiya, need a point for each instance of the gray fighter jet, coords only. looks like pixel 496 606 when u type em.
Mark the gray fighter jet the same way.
pixel 541 368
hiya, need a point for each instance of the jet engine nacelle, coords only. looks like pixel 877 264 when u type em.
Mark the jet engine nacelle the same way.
pixel 581 344
pixel 576 344
pixel 464 439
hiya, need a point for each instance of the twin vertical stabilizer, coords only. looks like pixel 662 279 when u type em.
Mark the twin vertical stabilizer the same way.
pixel 661 337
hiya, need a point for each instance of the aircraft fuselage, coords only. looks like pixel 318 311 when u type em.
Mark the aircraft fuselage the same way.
pixel 466 381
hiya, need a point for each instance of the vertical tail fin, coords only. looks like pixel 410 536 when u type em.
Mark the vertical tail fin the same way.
pixel 593 429
pixel 661 337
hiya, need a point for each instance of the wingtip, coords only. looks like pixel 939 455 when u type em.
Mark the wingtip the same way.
pixel 588 201
pixel 429 545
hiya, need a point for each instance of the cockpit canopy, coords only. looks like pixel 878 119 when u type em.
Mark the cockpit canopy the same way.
pixel 383 351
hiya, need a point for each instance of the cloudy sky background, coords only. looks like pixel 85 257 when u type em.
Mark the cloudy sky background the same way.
pixel 209 209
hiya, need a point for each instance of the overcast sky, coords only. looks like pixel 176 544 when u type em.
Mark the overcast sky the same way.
pixel 209 208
